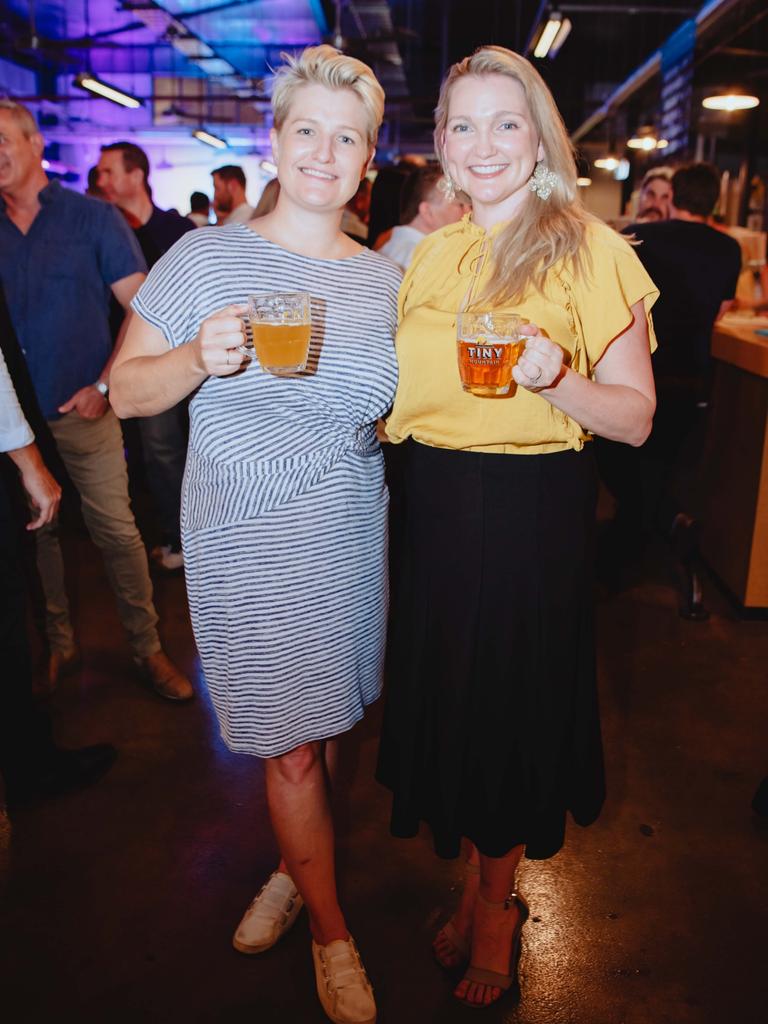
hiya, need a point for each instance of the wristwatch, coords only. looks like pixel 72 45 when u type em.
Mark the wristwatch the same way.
pixel 102 387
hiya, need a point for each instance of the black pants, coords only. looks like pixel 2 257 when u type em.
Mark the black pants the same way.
pixel 25 732
pixel 651 484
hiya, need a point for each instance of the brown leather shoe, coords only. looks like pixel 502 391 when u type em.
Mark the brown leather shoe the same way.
pixel 60 663
pixel 164 678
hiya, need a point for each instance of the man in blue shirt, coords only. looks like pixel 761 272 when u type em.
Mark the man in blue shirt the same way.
pixel 124 180
pixel 61 254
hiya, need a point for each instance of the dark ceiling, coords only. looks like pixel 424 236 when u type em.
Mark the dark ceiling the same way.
pixel 409 42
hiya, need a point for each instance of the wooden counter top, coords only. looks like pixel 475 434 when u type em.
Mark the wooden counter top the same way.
pixel 734 341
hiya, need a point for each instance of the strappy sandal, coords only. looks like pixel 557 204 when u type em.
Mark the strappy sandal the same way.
pixel 493 979
pixel 459 955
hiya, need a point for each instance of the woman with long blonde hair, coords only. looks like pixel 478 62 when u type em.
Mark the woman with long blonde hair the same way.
pixel 491 730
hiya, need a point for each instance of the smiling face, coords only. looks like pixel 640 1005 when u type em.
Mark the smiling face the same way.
pixel 321 149
pixel 490 145
pixel 20 155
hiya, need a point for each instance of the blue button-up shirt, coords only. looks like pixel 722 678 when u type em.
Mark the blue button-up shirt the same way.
pixel 57 281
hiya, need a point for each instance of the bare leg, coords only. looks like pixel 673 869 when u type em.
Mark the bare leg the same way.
pixel 445 950
pixel 297 794
pixel 492 932
pixel 330 750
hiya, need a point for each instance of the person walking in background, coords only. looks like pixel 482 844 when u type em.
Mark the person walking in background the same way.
pixel 229 202
pixel 285 506
pixel 61 254
pixel 424 207
pixel 199 209
pixel 124 181
pixel 696 268
pixel 491 731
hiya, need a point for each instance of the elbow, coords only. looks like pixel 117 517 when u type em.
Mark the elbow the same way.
pixel 642 427
pixel 121 407
pixel 640 436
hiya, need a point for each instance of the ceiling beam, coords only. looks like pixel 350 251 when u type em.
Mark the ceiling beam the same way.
pixel 707 18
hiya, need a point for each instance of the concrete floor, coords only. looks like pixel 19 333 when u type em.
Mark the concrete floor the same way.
pixel 118 903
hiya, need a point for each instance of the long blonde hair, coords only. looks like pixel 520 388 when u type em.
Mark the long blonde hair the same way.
pixel 545 231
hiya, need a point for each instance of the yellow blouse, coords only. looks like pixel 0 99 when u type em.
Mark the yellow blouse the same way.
pixel 582 315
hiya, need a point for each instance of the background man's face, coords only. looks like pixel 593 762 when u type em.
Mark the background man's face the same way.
pixel 655 199
pixel 117 184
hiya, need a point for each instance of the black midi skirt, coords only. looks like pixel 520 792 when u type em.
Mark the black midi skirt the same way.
pixel 491 728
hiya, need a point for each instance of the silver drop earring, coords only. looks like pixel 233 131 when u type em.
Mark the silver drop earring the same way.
pixel 543 181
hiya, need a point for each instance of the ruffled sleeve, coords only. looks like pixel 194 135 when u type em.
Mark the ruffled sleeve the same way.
pixel 608 289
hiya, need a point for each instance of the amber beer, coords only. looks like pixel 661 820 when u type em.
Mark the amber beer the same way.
pixel 281 327
pixel 281 348
pixel 488 346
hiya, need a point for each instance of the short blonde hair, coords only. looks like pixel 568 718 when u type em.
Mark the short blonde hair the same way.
pixel 324 65
pixel 21 116
pixel 545 232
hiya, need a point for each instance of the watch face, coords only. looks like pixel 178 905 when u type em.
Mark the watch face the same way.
pixel 102 388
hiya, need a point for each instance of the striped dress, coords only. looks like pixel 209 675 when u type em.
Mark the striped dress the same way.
pixel 284 504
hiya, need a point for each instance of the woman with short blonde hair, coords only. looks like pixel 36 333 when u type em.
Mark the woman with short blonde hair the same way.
pixel 284 503
pixel 491 732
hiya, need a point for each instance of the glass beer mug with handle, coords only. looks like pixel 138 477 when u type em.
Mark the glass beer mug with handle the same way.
pixel 281 326
pixel 488 346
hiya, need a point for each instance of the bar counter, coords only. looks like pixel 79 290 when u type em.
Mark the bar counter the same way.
pixel 735 472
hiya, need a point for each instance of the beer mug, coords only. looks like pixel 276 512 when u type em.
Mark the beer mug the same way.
pixel 488 346
pixel 281 326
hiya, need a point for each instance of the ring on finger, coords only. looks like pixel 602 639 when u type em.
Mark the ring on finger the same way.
pixel 537 378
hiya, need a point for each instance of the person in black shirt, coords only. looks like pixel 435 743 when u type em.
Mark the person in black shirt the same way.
pixel 123 177
pixel 696 268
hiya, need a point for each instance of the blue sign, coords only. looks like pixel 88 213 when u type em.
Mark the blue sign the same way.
pixel 677 87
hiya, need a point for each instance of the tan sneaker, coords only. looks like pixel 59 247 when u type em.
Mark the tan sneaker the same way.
pixel 164 678
pixel 342 984
pixel 269 916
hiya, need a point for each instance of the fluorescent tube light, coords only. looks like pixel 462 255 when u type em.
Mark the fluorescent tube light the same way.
pixel 215 66
pixel 553 35
pixel 562 35
pixel 191 47
pixel 107 92
pixel 209 139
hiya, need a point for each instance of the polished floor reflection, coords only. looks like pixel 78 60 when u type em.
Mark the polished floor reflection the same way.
pixel 119 903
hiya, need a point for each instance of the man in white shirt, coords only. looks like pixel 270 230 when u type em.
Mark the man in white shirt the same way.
pixel 424 207
pixel 229 200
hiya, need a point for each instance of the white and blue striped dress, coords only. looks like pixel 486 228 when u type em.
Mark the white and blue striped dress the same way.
pixel 284 503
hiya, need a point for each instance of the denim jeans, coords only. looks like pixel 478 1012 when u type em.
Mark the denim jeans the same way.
pixel 164 446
